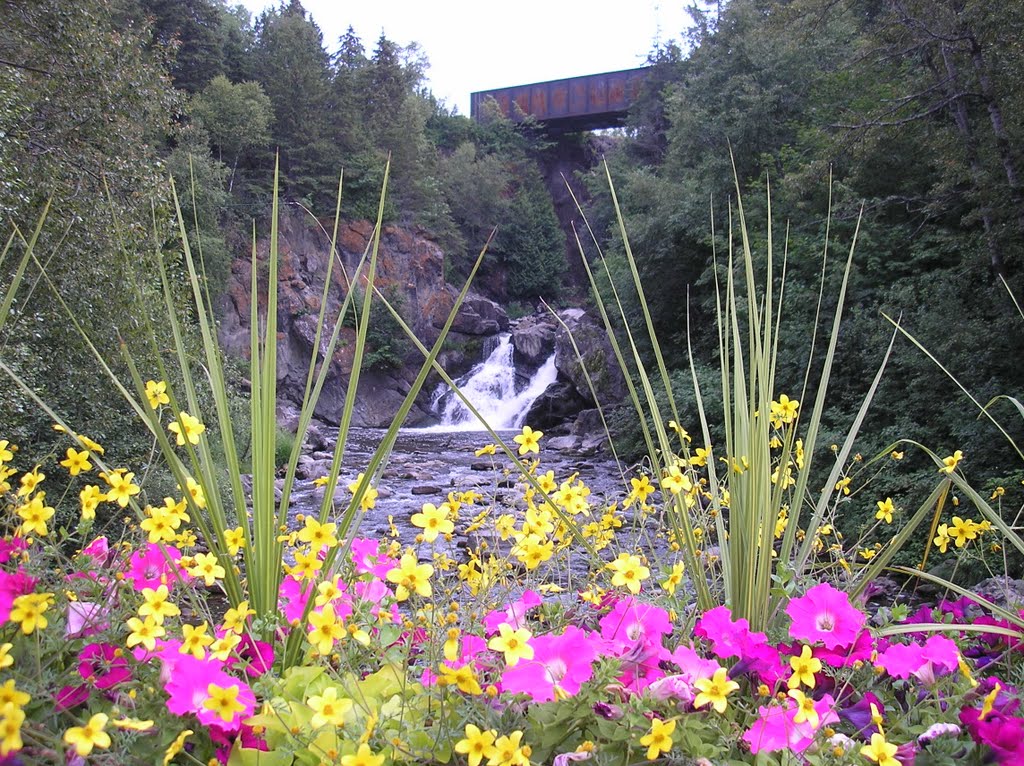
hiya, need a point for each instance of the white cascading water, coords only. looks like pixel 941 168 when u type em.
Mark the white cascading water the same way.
pixel 494 390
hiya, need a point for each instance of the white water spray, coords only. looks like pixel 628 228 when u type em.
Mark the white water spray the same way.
pixel 494 390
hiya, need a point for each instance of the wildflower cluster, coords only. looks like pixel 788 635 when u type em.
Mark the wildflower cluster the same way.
pixel 515 656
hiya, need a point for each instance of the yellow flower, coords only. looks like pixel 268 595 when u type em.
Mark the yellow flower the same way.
pixel 11 719
pixel 462 678
pixel 156 393
pixel 674 579
pixel 188 429
pixel 804 709
pixel 6 451
pixel 35 513
pixel 433 521
pixel 90 497
pixel 528 440
pixel 784 410
pixel 675 481
pixel 234 539
pixel 942 539
pixel 411 577
pixel 363 757
pixel 121 487
pixel 880 751
pixel 714 690
pixel 29 482
pixel 144 632
pixel 326 629
pixel 221 648
pixel 950 463
pixel 6 660
pixel 11 695
pixel 76 461
pixel 370 494
pixel 329 709
pixel 885 510
pixel 234 619
pixel 513 643
pixel 157 605
pixel 476 745
pixel 207 567
pixel 223 701
pixel 507 751
pixel 318 535
pixel 85 738
pixel 659 739
pixel 194 640
pixel 843 485
pixel 29 609
pixel 195 489
pixel 176 746
pixel 629 572
pixel 804 667
pixel 487 449
pixel 132 724
pixel 962 530
pixel 641 490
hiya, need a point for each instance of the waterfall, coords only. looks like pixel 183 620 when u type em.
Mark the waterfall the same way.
pixel 495 390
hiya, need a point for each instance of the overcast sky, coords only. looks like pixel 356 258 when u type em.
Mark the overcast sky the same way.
pixel 479 45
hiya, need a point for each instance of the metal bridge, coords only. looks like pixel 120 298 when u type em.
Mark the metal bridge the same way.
pixel 568 105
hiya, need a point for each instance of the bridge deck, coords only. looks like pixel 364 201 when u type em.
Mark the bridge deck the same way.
pixel 570 104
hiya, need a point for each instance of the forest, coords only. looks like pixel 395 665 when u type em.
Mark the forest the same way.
pixel 900 118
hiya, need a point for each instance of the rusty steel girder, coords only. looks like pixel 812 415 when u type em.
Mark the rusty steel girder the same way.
pixel 570 104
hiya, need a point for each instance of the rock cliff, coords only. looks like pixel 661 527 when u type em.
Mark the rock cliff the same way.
pixel 410 270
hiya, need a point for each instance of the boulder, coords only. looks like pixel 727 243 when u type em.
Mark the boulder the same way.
pixel 559 402
pixel 595 356
pixel 533 340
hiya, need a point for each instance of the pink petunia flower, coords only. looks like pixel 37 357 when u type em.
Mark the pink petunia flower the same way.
pixel 102 666
pixel 12 586
pixel 153 566
pixel 938 653
pixel 734 638
pixel 560 665
pixel 368 559
pixel 776 728
pixel 11 547
pixel 292 598
pixel 86 618
pixel 514 614
pixel 825 614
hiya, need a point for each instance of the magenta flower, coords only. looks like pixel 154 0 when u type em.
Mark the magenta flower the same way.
pixel 11 547
pixel 1003 735
pixel 514 614
pixel 153 566
pixel 100 665
pixel 938 653
pixel 292 598
pixel 12 586
pixel 560 665
pixel 733 638
pixel 367 558
pixel 187 690
pixel 776 727
pixel 68 697
pixel 825 614
pixel 846 656
pixel 630 621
